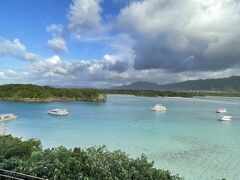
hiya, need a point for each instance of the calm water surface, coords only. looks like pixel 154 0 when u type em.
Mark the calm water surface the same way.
pixel 187 139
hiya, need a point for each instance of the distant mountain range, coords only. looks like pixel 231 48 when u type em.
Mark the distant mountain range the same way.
pixel 222 84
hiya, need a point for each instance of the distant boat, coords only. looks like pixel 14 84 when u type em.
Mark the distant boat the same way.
pixel 6 117
pixel 58 112
pixel 221 110
pixel 159 107
pixel 225 118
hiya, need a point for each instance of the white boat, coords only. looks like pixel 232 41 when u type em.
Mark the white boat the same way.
pixel 225 118
pixel 221 110
pixel 6 117
pixel 159 107
pixel 58 112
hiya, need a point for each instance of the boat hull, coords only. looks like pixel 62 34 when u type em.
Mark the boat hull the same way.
pixel 159 110
pixel 227 118
pixel 58 114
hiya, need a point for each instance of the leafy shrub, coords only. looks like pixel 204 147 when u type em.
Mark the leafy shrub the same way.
pixel 61 163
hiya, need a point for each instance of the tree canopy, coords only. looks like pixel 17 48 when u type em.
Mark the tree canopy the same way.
pixel 61 163
pixel 46 93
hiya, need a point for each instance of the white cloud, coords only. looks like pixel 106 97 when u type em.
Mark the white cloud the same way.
pixel 55 29
pixel 167 32
pixel 51 67
pixel 28 56
pixel 10 73
pixel 16 49
pixel 84 16
pixel 55 71
pixel 153 17
pixel 107 72
pixel 54 60
pixel 58 44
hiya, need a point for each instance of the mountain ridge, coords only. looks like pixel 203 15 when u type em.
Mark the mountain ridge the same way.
pixel 231 83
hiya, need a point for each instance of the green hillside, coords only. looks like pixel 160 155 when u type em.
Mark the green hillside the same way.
pixel 223 84
pixel 29 92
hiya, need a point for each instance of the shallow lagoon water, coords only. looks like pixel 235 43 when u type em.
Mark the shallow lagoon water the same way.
pixel 187 140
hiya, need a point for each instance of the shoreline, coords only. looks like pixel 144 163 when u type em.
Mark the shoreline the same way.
pixel 170 97
pixel 176 97
pixel 100 98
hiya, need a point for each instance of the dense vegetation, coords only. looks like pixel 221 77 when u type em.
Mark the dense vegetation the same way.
pixel 149 93
pixel 189 94
pixel 29 92
pixel 60 163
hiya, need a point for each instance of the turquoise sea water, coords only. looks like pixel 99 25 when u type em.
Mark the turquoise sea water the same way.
pixel 187 139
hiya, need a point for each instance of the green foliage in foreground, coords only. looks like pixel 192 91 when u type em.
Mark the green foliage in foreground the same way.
pixel 29 91
pixel 61 163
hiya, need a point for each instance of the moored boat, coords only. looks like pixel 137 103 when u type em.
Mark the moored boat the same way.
pixel 221 110
pixel 58 112
pixel 159 107
pixel 225 118
pixel 7 117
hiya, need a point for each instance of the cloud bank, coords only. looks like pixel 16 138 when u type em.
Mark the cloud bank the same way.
pixel 187 35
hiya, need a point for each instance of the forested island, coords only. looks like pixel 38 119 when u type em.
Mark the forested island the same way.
pixel 30 158
pixel 34 93
pixel 186 94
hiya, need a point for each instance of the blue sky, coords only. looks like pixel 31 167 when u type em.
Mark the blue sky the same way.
pixel 27 20
pixel 101 43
